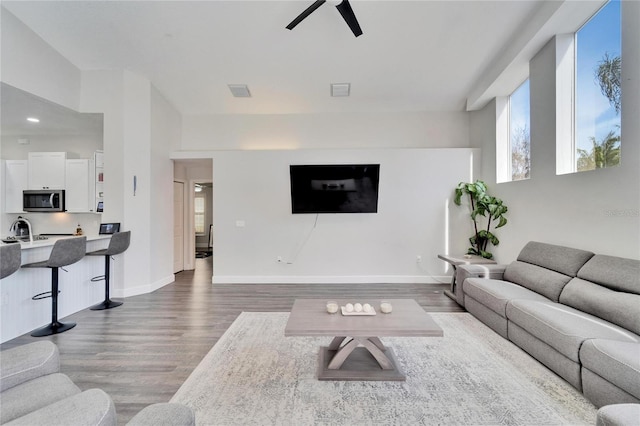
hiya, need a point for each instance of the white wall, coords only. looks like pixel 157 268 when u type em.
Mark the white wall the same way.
pixel 140 127
pixel 596 210
pixel 165 132
pixel 413 218
pixel 30 64
pixel 320 131
pixel 76 146
pixel 102 91
pixel 343 248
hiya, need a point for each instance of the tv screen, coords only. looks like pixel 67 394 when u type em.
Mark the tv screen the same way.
pixel 345 188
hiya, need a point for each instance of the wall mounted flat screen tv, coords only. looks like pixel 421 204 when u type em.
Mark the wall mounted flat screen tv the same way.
pixel 344 188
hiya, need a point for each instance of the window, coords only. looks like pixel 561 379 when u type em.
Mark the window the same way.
pixel 519 133
pixel 513 141
pixel 598 65
pixel 199 212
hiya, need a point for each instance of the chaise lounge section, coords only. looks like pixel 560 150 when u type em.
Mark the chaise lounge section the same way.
pixel 574 311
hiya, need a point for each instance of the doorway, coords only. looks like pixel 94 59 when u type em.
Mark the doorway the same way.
pixel 190 172
pixel 203 219
pixel 178 226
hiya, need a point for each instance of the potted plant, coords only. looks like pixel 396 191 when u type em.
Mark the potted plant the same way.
pixel 483 205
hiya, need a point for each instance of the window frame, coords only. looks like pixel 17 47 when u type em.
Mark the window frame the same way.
pixel 566 99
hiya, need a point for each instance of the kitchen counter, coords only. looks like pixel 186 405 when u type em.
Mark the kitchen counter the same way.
pixel 51 240
pixel 19 314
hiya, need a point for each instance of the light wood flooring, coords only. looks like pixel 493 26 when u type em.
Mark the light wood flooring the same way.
pixel 141 352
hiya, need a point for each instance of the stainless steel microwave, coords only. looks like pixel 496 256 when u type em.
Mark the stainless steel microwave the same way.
pixel 43 200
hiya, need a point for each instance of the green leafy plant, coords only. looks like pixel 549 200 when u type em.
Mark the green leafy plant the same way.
pixel 484 208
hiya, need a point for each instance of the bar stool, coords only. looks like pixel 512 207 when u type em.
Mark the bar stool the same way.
pixel 65 252
pixel 10 258
pixel 118 244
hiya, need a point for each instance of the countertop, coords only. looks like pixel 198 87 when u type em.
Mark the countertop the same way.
pixel 51 239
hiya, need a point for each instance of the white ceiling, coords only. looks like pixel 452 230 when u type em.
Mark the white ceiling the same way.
pixel 413 55
pixel 16 105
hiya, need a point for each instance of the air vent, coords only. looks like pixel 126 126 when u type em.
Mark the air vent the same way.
pixel 239 90
pixel 340 89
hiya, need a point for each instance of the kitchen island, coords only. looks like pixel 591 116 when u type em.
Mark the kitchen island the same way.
pixel 19 314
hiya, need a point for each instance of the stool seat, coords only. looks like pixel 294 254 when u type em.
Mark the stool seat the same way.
pixel 10 258
pixel 64 252
pixel 103 252
pixel 119 243
pixel 42 264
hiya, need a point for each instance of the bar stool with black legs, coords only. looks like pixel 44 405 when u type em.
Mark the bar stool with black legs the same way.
pixel 65 252
pixel 10 258
pixel 118 244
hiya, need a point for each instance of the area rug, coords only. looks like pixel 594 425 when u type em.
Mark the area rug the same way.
pixel 471 376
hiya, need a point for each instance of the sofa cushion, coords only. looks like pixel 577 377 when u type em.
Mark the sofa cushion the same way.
pixel 616 273
pixel 565 260
pixel 618 307
pixel 35 394
pixel 495 294
pixel 27 362
pixel 562 327
pixel 615 361
pixel 93 407
pixel 537 278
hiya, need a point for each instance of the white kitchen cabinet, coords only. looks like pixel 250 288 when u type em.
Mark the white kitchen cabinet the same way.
pixel 79 191
pixel 47 170
pixel 15 181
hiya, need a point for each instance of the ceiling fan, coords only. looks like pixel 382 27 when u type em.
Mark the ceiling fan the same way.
pixel 343 7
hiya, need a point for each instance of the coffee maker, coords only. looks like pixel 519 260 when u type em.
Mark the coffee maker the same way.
pixel 21 228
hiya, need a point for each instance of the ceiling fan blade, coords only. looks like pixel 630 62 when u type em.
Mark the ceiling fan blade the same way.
pixel 308 11
pixel 350 18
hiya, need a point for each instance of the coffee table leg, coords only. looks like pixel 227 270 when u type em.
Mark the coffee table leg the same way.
pixel 372 344
pixel 341 355
pixel 378 354
pixel 336 342
pixel 376 341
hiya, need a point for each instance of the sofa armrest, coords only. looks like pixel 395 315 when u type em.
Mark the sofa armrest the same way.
pixel 493 271
pixel 164 414
pixel 92 407
pixel 618 415
pixel 27 362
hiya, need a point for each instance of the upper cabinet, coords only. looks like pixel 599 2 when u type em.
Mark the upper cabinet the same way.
pixel 80 178
pixel 15 181
pixel 79 191
pixel 47 170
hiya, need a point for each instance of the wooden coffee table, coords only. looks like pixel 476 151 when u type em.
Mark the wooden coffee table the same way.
pixel 356 351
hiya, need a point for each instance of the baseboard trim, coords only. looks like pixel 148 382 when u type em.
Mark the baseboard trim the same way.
pixel 144 289
pixel 325 279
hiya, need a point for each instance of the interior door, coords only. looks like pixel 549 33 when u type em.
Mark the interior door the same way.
pixel 178 226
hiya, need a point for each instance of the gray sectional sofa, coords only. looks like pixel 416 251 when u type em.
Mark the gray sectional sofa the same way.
pixel 576 312
pixel 34 392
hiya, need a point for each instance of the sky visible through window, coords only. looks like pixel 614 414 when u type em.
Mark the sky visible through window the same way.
pixel 595 116
pixel 520 115
pixel 519 132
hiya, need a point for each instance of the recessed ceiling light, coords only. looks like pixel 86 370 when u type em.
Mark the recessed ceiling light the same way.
pixel 340 89
pixel 239 90
pixel 33 119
